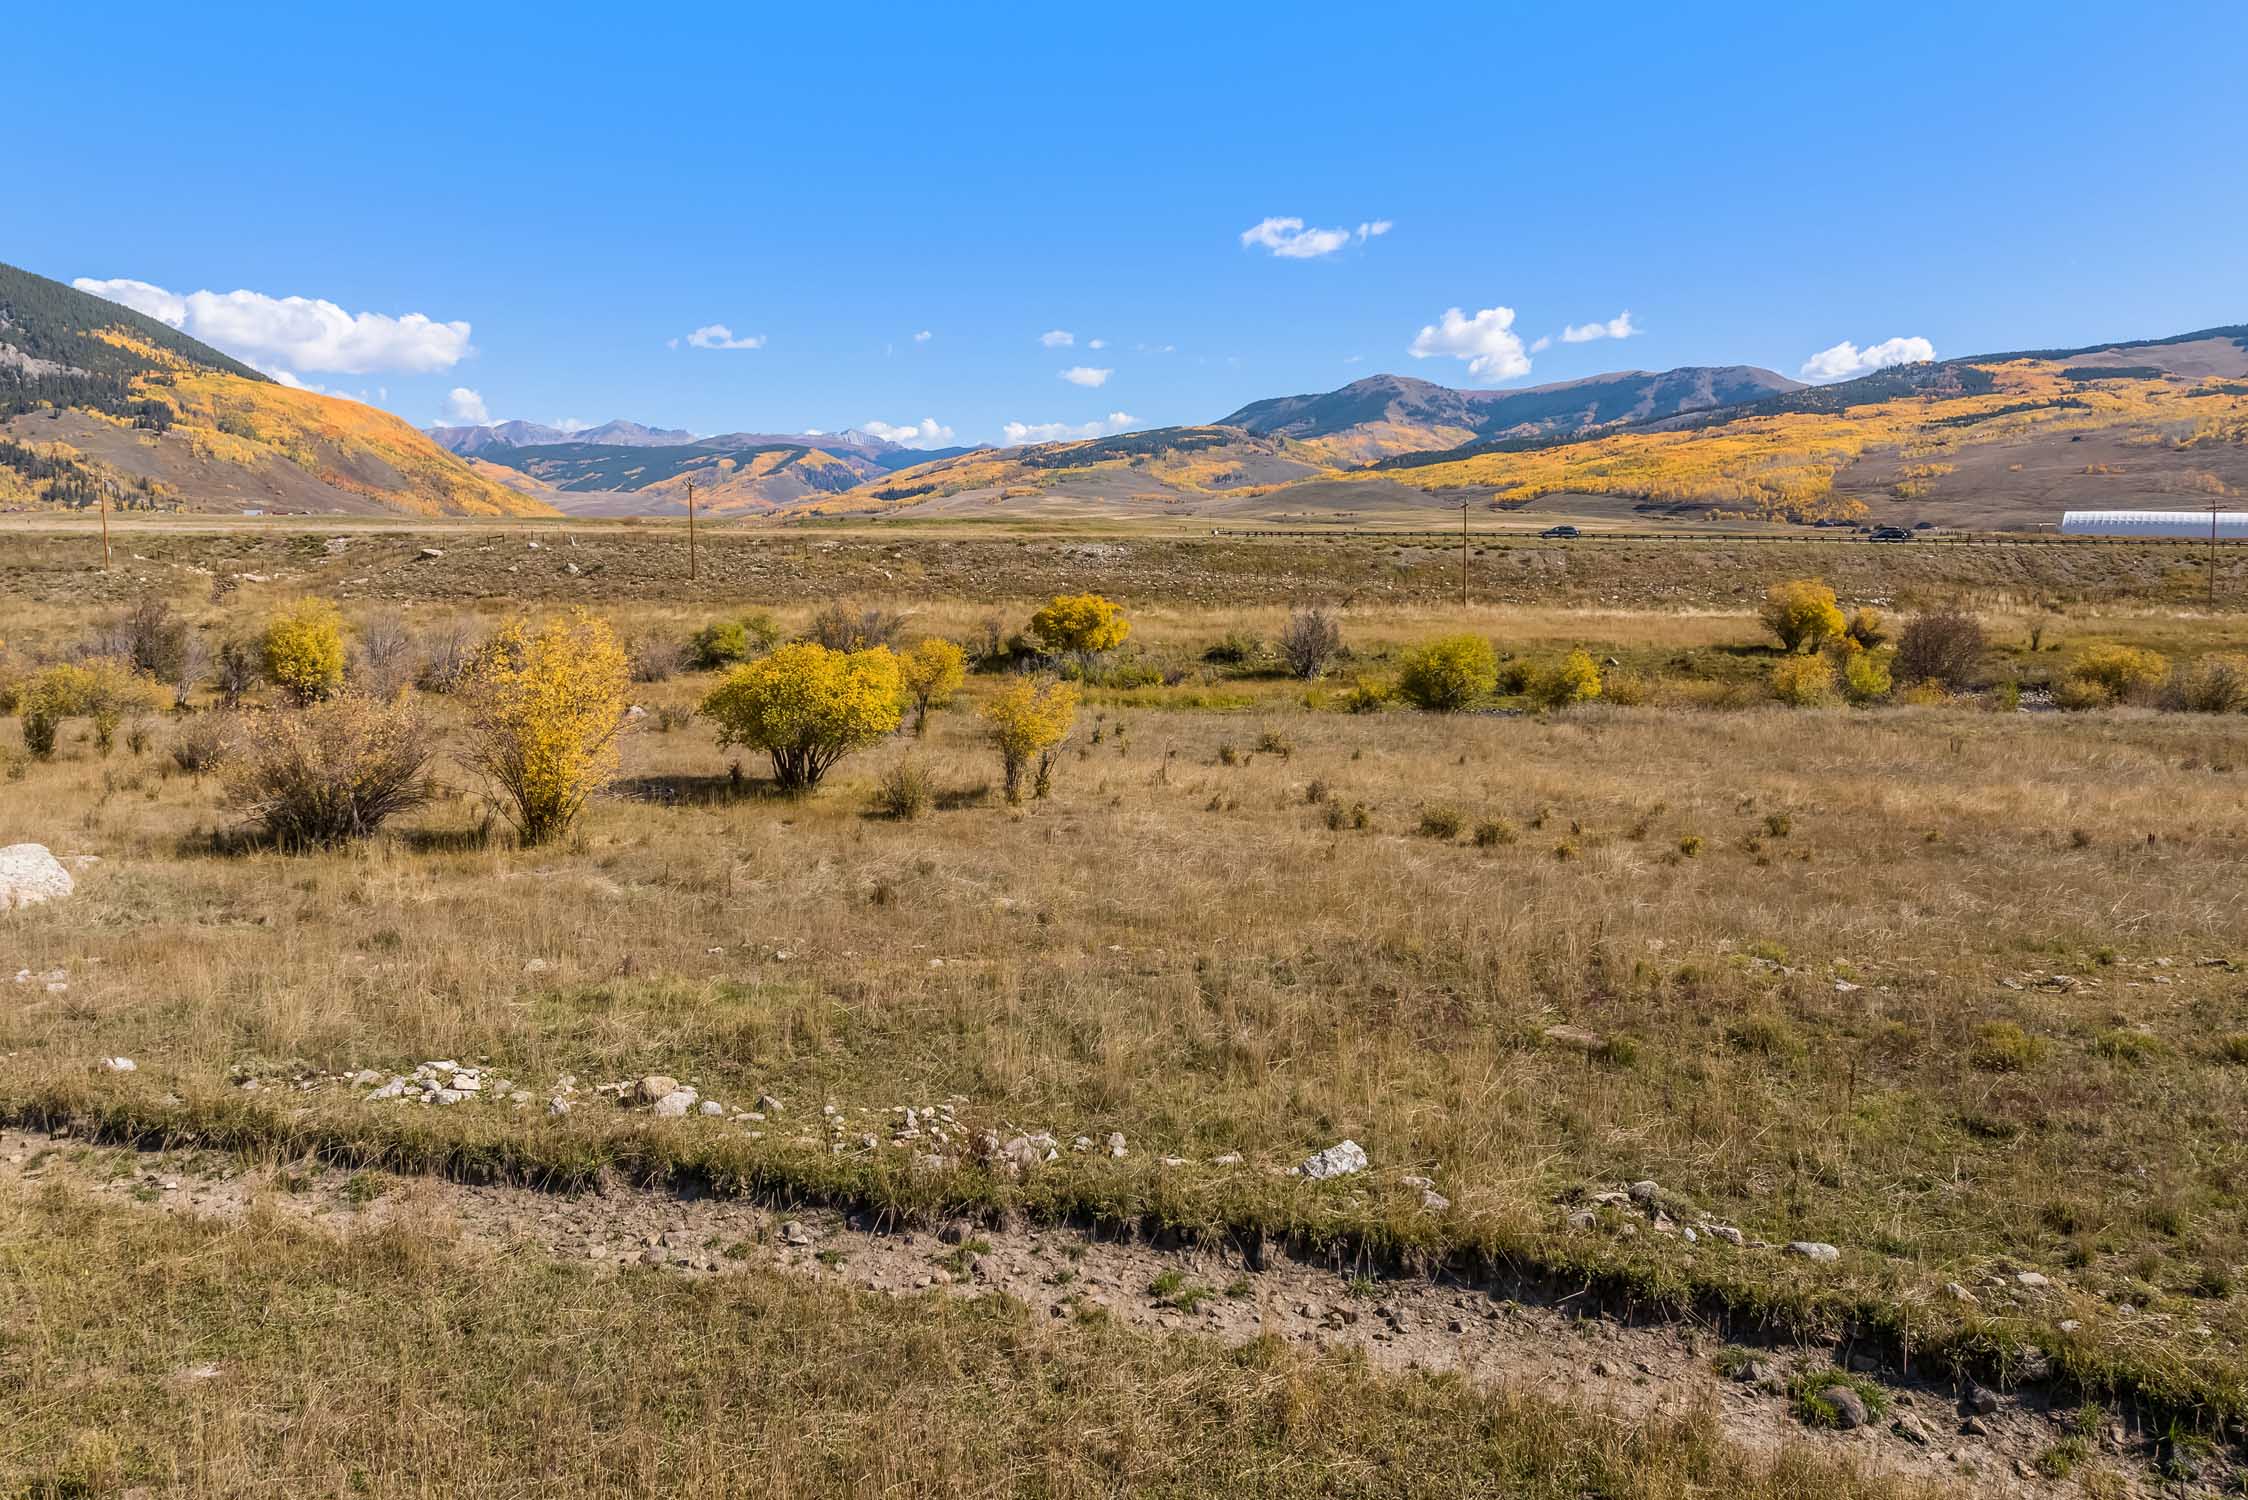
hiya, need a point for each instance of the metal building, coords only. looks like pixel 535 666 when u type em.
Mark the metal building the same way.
pixel 2232 525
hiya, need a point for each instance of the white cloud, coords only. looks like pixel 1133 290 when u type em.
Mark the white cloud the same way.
pixel 719 336
pixel 1096 343
pixel 928 433
pixel 1018 433
pixel 1846 360
pixel 1290 240
pixel 1157 348
pixel 1086 375
pixel 303 332
pixel 1057 338
pixel 1542 344
pixel 923 336
pixel 1486 341
pixel 465 407
pixel 1618 327
pixel 569 424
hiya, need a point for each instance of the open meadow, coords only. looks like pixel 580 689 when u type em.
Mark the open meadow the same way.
pixel 1879 1033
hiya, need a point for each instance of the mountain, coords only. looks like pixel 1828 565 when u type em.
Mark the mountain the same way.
pixel 1989 441
pixel 1382 412
pixel 537 435
pixel 98 402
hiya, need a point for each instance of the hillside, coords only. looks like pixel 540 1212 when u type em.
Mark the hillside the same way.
pixel 98 401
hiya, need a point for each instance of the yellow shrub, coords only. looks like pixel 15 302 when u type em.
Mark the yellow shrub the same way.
pixel 1624 688
pixel 1029 719
pixel 807 707
pixel 103 689
pixel 1574 679
pixel 1803 681
pixel 544 711
pixel 1082 624
pixel 1449 672
pixel 2122 673
pixel 304 650
pixel 1865 677
pixel 932 672
pixel 1802 614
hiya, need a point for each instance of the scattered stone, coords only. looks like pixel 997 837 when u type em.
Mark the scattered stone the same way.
pixel 557 1105
pixel 794 1233
pixel 674 1105
pixel 394 1089
pixel 655 1086
pixel 430 552
pixel 1725 1232
pixel 1230 1159
pixel 1975 1427
pixel 1978 1398
pixel 768 1105
pixel 1342 1159
pixel 118 1065
pixel 1814 1250
pixel 1434 1201
pixel 1907 1426
pixel 2034 1280
pixel 711 1107
pixel 1958 1293
pixel 537 966
pixel 29 875
pixel 1116 1144
pixel 1849 1407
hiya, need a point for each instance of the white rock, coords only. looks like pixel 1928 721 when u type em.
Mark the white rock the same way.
pixel 391 1090
pixel 30 875
pixel 1230 1159
pixel 557 1105
pixel 446 1096
pixel 1435 1202
pixel 1814 1250
pixel 712 1107
pixel 1116 1143
pixel 2034 1280
pixel 118 1065
pixel 1339 1160
pixel 675 1104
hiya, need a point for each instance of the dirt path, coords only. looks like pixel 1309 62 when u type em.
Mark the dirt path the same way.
pixel 1398 1324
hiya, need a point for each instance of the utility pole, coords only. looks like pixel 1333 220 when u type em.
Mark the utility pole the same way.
pixel 690 531
pixel 2213 553
pixel 1463 552
pixel 101 497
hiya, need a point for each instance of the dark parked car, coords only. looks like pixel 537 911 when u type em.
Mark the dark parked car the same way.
pixel 1554 531
pixel 1890 534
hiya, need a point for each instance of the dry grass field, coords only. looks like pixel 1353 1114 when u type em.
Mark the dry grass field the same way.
pixel 1956 991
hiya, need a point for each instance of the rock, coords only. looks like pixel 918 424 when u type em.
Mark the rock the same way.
pixel 635 714
pixel 2033 1280
pixel 1646 1193
pixel 1908 1427
pixel 118 1065
pixel 674 1105
pixel 653 1087
pixel 557 1105
pixel 1975 1427
pixel 1116 1144
pixel 1754 1372
pixel 445 1096
pixel 1339 1160
pixel 711 1107
pixel 1978 1398
pixel 30 875
pixel 428 552
pixel 1814 1250
pixel 794 1233
pixel 1958 1293
pixel 957 1232
pixel 391 1090
pixel 1229 1159
pixel 1576 1038
pixel 1434 1201
pixel 1725 1232
pixel 1849 1407
pixel 537 966
pixel 768 1105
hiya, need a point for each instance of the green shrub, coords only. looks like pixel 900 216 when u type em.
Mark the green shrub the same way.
pixel 904 792
pixel 2216 684
pixel 2003 1047
pixel 1367 695
pixel 1449 673
pixel 1441 823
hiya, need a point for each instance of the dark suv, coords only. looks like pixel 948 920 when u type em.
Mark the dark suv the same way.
pixel 1560 531
pixel 1890 534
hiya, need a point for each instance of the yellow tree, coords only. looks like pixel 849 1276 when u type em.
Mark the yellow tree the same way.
pixel 932 672
pixel 1802 614
pixel 1029 719
pixel 1084 625
pixel 304 650
pixel 807 707
pixel 544 711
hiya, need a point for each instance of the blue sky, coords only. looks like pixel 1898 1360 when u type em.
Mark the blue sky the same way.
pixel 582 187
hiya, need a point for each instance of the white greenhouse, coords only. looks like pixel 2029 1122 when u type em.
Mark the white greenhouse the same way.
pixel 2232 525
